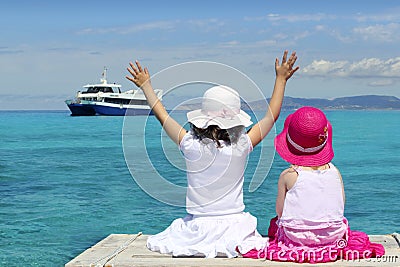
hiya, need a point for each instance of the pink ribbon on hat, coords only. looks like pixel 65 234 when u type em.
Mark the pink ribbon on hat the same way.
pixel 308 149
pixel 223 113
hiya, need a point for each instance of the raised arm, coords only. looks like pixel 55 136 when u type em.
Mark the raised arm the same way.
pixel 141 78
pixel 283 72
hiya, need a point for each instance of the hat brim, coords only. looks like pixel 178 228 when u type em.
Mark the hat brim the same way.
pixel 201 120
pixel 287 152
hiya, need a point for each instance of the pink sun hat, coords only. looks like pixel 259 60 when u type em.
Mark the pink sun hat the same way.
pixel 306 139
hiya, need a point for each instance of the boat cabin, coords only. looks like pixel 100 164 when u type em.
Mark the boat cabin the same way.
pixel 96 89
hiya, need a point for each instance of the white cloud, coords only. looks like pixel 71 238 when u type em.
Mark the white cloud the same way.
pixel 157 25
pixel 388 17
pixel 203 25
pixel 383 82
pixel 381 28
pixel 301 17
pixel 207 25
pixel 6 50
pixel 365 68
pixel 266 43
pixel 206 22
pixel 293 17
pixel 301 35
pixel 323 68
pixel 281 36
pixel 379 33
pixel 233 43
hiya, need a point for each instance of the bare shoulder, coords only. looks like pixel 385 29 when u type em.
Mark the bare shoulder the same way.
pixel 289 172
pixel 288 177
pixel 336 169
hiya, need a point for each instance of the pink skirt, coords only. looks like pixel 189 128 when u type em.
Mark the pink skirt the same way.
pixel 354 245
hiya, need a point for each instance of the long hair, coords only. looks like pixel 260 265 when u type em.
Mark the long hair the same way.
pixel 215 133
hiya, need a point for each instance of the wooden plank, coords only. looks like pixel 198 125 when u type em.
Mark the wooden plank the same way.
pixel 397 237
pixel 130 250
pixel 388 241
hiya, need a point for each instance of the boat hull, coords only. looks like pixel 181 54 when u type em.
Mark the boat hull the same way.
pixel 81 109
pixel 117 111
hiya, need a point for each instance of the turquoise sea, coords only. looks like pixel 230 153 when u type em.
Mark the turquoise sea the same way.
pixel 65 185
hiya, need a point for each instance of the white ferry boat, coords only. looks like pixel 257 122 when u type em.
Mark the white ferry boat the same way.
pixel 107 99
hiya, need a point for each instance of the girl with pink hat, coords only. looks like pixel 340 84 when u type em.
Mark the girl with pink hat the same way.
pixel 215 150
pixel 310 226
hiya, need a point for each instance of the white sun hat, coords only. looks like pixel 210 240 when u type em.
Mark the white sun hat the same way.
pixel 221 107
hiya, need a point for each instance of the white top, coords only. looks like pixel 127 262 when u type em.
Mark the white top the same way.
pixel 215 175
pixel 315 201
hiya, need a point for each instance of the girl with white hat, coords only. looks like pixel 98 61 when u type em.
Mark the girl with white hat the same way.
pixel 216 150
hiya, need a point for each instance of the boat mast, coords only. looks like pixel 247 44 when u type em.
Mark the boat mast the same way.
pixel 104 76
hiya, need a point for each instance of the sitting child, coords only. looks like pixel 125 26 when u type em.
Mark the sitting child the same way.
pixel 310 226
pixel 215 150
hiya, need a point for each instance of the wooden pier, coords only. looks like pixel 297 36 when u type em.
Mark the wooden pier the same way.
pixel 130 250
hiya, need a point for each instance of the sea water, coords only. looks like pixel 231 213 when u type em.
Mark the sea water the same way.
pixel 65 183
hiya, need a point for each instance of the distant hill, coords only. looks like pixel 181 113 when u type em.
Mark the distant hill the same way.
pixel 352 102
pixel 377 102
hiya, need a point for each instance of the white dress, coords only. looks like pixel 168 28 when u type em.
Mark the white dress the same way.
pixel 215 224
pixel 307 220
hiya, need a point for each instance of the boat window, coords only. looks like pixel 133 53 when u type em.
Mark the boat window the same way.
pixel 92 90
pixel 125 101
pixel 89 98
pixel 138 102
pixel 95 90
pixel 106 90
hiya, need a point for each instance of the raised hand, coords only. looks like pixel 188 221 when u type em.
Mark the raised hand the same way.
pixel 283 72
pixel 286 70
pixel 140 76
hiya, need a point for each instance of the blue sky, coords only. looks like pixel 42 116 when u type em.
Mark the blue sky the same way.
pixel 49 49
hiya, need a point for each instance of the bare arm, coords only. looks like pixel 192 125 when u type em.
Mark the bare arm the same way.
pixel 280 199
pixel 287 180
pixel 343 194
pixel 141 78
pixel 283 73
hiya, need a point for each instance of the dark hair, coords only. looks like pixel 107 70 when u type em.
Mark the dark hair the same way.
pixel 213 132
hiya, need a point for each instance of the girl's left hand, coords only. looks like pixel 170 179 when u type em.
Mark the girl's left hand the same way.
pixel 286 70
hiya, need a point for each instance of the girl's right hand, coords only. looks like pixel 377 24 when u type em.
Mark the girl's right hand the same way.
pixel 140 77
